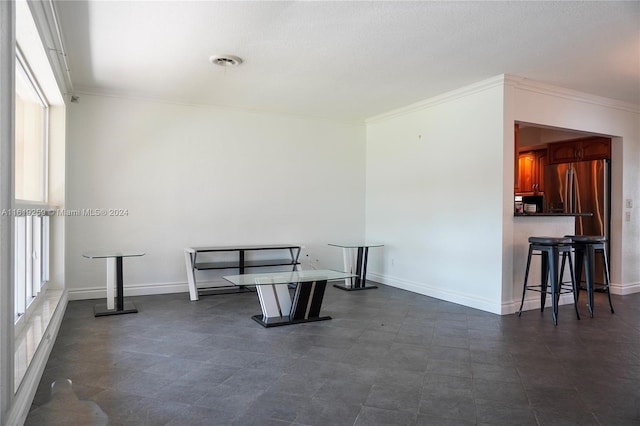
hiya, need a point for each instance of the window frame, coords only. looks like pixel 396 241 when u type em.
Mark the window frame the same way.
pixel 23 64
pixel 32 238
pixel 32 217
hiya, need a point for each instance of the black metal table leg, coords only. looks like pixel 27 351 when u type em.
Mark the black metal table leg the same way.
pixel 305 306
pixel 360 281
pixel 122 307
pixel 555 289
pixel 544 277
pixel 589 268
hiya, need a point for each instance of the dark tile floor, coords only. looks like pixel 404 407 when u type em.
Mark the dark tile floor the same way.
pixel 387 357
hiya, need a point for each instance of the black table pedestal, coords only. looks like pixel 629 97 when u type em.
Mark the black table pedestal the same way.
pixel 100 310
pixel 360 281
pixel 122 307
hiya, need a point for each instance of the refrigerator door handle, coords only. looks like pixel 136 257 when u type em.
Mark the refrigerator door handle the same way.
pixel 567 191
pixel 575 195
pixel 605 207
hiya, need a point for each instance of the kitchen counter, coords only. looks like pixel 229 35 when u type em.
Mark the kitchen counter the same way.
pixel 551 214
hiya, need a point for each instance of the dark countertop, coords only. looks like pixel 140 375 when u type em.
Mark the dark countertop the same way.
pixel 552 214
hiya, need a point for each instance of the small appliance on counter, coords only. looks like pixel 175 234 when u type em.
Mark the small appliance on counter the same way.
pixel 518 207
pixel 533 204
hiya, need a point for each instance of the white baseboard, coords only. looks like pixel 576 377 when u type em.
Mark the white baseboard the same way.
pixel 129 290
pixel 483 304
pixel 532 302
pixel 625 289
pixel 141 289
pixel 439 293
pixel 486 305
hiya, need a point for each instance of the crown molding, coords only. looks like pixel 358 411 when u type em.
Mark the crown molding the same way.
pixel 471 89
pixel 523 83
pixel 88 91
pixel 517 82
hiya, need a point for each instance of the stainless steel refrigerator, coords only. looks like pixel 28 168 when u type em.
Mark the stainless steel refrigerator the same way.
pixel 581 187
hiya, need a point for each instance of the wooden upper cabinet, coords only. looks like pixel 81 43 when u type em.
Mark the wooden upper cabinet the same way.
pixel 529 167
pixel 531 172
pixel 595 149
pixel 526 170
pixel 562 152
pixel 592 148
pixel 541 161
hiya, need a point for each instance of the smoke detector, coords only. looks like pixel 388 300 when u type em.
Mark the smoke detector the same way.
pixel 225 60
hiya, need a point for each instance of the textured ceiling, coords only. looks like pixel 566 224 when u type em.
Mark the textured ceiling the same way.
pixel 346 60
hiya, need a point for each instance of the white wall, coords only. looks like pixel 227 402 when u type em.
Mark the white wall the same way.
pixel 533 102
pixel 435 196
pixel 439 175
pixel 440 188
pixel 193 176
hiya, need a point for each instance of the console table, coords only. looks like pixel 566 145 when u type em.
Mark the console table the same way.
pixel 278 308
pixel 204 258
pixel 114 277
pixel 357 263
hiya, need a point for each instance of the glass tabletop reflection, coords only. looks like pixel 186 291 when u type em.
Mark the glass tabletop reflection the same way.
pixel 288 277
pixel 100 254
pixel 355 244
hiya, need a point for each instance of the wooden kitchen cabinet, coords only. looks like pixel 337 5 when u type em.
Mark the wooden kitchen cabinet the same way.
pixel 585 149
pixel 595 149
pixel 541 161
pixel 530 172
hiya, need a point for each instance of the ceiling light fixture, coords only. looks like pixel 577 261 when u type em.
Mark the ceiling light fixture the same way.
pixel 225 60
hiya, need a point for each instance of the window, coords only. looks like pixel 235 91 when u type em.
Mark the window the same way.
pixel 31 223
pixel 31 136
pixel 31 258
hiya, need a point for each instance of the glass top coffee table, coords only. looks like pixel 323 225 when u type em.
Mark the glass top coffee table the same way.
pixel 278 307
pixel 355 255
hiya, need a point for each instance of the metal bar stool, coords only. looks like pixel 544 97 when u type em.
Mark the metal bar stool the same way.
pixel 586 247
pixel 550 249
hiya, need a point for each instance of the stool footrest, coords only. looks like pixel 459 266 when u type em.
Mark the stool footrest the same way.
pixel 538 288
